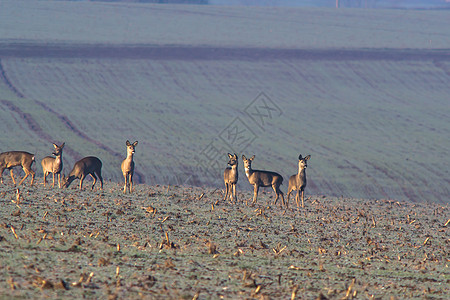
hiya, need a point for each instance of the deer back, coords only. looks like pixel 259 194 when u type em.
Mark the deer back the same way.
pixel 85 166
pixel 265 178
pixel 16 158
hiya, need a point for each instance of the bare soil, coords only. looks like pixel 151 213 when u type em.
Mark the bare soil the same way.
pixel 186 242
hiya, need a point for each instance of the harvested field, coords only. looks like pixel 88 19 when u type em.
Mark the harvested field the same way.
pixel 185 242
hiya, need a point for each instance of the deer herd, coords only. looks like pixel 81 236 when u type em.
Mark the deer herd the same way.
pixel 92 166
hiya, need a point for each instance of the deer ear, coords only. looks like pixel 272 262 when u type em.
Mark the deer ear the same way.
pixel 307 157
pixel 229 155
pixel 235 155
pixel 252 158
pixel 300 157
pixel 128 143
pixel 62 146
pixel 243 157
pixel 54 145
pixel 135 143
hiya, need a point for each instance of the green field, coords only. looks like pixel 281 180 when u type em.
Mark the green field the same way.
pixel 365 92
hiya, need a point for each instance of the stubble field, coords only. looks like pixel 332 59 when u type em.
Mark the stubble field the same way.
pixel 186 243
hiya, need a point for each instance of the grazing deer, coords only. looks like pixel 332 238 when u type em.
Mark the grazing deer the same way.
pixel 262 178
pixel 297 182
pixel 128 166
pixel 11 159
pixel 87 166
pixel 53 165
pixel 230 177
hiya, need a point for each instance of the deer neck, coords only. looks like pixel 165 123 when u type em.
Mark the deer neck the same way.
pixel 248 171
pixel 301 172
pixel 58 159
pixel 129 157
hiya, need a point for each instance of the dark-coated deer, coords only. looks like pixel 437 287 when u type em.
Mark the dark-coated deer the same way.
pixel 230 177
pixel 297 182
pixel 53 165
pixel 262 178
pixel 87 166
pixel 128 166
pixel 11 159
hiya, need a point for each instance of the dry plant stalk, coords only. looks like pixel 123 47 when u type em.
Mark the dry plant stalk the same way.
pixel 167 238
pixel 14 232
pixel 294 292
pixel 349 290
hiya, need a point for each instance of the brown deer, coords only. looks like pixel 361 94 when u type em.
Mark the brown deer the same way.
pixel 230 177
pixel 53 165
pixel 128 166
pixel 87 166
pixel 262 178
pixel 297 182
pixel 11 159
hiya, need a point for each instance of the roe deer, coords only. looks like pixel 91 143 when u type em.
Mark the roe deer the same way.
pixel 53 165
pixel 262 178
pixel 297 182
pixel 11 159
pixel 230 177
pixel 89 165
pixel 128 166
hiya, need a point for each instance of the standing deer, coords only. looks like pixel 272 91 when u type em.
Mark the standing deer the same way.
pixel 11 159
pixel 230 177
pixel 262 178
pixel 87 166
pixel 297 182
pixel 128 166
pixel 53 165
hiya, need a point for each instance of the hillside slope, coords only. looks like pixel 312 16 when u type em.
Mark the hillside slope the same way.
pixel 373 114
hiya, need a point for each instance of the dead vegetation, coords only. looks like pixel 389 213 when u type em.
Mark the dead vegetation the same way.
pixel 185 242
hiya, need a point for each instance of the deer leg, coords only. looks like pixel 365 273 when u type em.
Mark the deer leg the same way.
pixel 1 174
pixel 53 183
pixel 278 192
pixel 282 198
pixel 95 180
pixel 255 193
pixel 99 174
pixel 59 180
pixel 275 189
pixel 234 192
pixel 81 181
pixel 24 177
pixel 126 183
pixel 297 199
pixel 131 182
pixel 32 176
pixel 226 191
pixel 45 178
pixel 12 176
pixel 303 197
